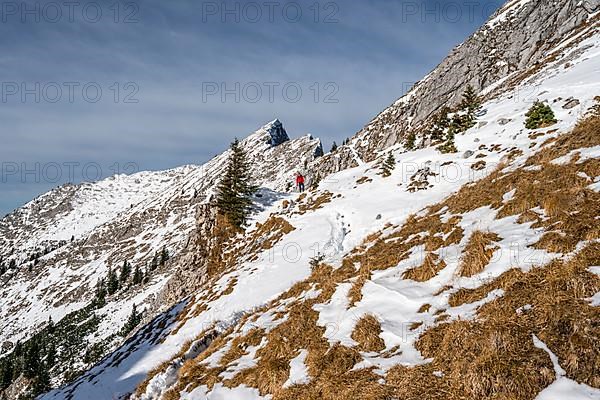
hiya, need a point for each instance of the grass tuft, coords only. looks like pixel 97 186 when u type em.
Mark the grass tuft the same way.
pixel 366 334
pixel 478 252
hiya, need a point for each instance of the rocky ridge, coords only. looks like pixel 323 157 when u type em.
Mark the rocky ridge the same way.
pixel 59 245
pixel 511 47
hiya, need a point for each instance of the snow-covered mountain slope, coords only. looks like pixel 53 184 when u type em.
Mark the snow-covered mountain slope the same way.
pixel 62 243
pixel 518 39
pixel 464 275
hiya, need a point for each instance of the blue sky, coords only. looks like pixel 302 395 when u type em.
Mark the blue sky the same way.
pixel 94 87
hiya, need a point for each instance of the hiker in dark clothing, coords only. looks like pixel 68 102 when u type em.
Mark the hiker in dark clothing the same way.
pixel 300 182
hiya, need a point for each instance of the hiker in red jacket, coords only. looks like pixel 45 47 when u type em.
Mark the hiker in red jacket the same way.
pixel 300 182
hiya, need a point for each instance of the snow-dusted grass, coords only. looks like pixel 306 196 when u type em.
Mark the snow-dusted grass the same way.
pixel 563 388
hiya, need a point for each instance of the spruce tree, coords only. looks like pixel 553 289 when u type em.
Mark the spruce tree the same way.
pixel 448 146
pixel 125 271
pixel 470 106
pixel 539 115
pixel 439 125
pixel 132 321
pixel 319 151
pixel 388 165
pixel 164 256
pixel 137 275
pixel 50 354
pixel 6 372
pixel 410 141
pixel 17 354
pixel 41 383
pixel 146 277
pixel 471 103
pixel 112 282
pixel 31 360
pixel 100 293
pixel 154 262
pixel 234 191
pixel 50 326
pixel 334 147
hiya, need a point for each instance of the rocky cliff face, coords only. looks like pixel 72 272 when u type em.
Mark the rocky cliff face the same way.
pixel 514 41
pixel 190 266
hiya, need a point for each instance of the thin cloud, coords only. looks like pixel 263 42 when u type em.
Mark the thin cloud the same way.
pixel 371 54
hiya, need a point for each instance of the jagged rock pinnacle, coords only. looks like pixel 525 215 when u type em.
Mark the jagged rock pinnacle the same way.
pixel 277 132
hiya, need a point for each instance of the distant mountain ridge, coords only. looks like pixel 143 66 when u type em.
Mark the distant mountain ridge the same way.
pixel 60 244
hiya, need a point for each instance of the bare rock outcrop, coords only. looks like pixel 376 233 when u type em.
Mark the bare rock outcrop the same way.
pixel 516 39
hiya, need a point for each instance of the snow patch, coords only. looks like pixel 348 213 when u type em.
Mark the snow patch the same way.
pixel 298 370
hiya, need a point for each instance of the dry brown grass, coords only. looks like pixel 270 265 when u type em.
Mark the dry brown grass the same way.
pixel 477 253
pixel 355 292
pixel 558 189
pixel 455 236
pixel 424 308
pixel 334 379
pixel 585 134
pixel 384 252
pixel 417 383
pixel 214 255
pixel 329 367
pixel 221 254
pixel 464 296
pixel 481 361
pixel 415 325
pixel 529 216
pixel 298 331
pixel 194 371
pixel 535 135
pixel 489 358
pixel 141 389
pixel 430 268
pixel 364 179
pixel 240 344
pixel 267 234
pixel 496 355
pixel 366 334
pixel 312 203
pixel 230 286
pixel 479 165
pixel 295 291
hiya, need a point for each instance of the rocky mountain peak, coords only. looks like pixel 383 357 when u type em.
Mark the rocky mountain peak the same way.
pixel 277 132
